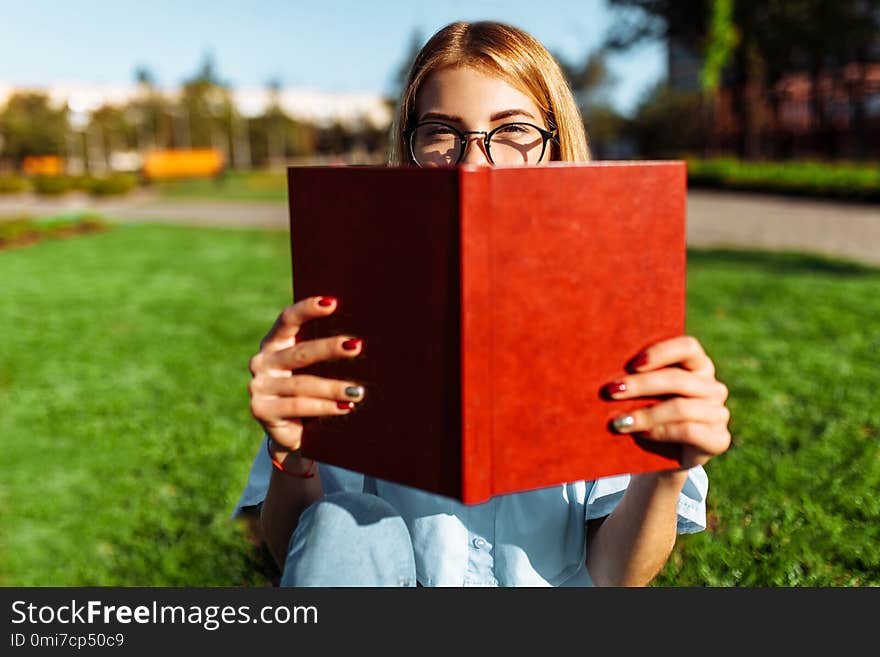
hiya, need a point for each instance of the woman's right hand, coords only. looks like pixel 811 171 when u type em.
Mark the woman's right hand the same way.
pixel 281 398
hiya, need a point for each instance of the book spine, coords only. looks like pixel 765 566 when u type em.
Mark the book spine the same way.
pixel 476 334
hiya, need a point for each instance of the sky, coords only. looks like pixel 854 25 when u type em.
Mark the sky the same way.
pixel 331 45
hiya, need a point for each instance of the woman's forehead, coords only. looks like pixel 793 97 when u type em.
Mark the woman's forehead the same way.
pixel 466 93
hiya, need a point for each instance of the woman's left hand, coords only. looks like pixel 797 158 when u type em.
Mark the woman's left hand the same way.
pixel 695 416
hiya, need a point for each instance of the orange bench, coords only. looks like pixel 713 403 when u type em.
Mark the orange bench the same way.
pixel 183 163
pixel 42 165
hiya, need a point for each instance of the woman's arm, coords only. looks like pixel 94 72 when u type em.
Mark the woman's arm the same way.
pixel 281 398
pixel 286 499
pixel 632 544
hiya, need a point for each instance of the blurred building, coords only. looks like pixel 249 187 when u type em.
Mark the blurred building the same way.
pixel 308 105
pixel 110 127
pixel 834 114
pixel 351 110
pixel 683 66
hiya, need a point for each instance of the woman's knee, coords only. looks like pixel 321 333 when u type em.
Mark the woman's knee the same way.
pixel 351 539
pixel 346 507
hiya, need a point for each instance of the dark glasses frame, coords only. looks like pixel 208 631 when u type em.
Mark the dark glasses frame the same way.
pixel 547 135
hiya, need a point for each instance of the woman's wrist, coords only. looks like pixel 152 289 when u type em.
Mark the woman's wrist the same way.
pixel 671 480
pixel 292 460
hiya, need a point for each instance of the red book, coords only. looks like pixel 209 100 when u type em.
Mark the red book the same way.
pixel 494 304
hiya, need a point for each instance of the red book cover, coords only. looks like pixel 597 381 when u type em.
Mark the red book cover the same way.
pixel 494 304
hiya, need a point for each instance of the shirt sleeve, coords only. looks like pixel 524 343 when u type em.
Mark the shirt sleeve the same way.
pixel 258 480
pixel 607 492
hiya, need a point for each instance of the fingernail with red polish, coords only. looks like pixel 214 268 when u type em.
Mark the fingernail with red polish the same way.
pixel 326 301
pixel 639 361
pixel 614 388
pixel 351 344
pixel 344 406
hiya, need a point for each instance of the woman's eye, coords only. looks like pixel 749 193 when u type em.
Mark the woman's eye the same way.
pixel 440 131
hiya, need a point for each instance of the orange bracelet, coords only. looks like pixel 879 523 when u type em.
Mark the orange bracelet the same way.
pixel 308 474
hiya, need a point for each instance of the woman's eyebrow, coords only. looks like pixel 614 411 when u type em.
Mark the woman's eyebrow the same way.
pixel 457 119
pixel 440 116
pixel 511 112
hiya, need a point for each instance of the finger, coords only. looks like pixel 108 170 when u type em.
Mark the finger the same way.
pixel 685 351
pixel 680 409
pixel 313 351
pixel 667 381
pixel 710 439
pixel 305 385
pixel 275 410
pixel 290 321
pixel 691 456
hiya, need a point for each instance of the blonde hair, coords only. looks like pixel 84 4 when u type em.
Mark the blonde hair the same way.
pixel 510 54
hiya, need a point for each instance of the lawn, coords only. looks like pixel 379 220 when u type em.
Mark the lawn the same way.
pixel 126 435
pixel 796 500
pixel 123 382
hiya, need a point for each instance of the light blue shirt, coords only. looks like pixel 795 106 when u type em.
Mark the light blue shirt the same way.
pixel 533 538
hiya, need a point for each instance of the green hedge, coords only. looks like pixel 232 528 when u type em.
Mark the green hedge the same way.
pixel 857 182
pixel 115 184
pixel 52 185
pixel 12 184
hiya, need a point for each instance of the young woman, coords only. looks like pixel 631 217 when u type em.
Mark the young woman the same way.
pixel 478 93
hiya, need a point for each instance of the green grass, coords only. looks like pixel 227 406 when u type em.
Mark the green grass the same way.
pixel 233 186
pixel 796 500
pixel 126 435
pixel 125 428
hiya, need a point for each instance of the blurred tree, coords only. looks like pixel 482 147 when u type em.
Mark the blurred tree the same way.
pixel 242 153
pixel 375 142
pixel 823 39
pixel 275 136
pixel 658 20
pixel 722 39
pixel 591 81
pixel 397 85
pixel 334 139
pixel 149 112
pixel 29 125
pixel 675 23
pixel 273 130
pixel 111 131
pixel 663 126
pixel 276 125
pixel 401 73
pixel 144 76
pixel 205 110
pixel 751 45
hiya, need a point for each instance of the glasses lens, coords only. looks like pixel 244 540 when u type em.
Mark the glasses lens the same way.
pixel 435 145
pixel 516 143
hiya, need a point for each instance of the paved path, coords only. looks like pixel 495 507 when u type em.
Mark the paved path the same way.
pixel 727 219
pixel 144 206
pixel 715 219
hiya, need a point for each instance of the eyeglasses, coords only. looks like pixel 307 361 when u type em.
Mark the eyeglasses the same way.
pixel 434 144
